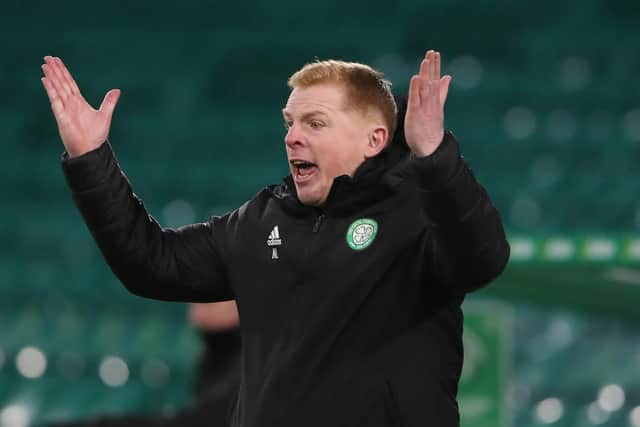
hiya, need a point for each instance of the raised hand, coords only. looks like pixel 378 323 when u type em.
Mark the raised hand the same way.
pixel 81 127
pixel 424 121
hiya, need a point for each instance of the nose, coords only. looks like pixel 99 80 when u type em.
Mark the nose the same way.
pixel 293 136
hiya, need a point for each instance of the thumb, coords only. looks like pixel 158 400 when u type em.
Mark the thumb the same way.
pixel 444 88
pixel 110 101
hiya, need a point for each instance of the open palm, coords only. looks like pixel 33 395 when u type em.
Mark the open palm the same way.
pixel 424 120
pixel 82 128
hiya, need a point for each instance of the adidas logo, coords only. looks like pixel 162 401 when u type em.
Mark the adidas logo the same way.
pixel 274 237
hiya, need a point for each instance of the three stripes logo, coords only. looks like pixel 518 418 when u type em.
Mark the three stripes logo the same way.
pixel 274 237
pixel 273 241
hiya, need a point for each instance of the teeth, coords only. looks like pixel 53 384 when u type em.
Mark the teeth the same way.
pixel 301 163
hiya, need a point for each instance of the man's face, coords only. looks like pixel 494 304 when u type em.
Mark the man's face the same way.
pixel 324 139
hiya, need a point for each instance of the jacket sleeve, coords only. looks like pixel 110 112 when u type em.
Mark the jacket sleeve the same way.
pixel 467 248
pixel 183 264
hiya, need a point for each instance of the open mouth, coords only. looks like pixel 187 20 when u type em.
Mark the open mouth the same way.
pixel 303 170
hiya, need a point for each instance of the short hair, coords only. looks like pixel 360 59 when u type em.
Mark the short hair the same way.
pixel 366 87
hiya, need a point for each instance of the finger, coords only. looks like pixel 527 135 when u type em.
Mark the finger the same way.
pixel 426 92
pixel 414 92
pixel 424 65
pixel 433 96
pixel 110 101
pixel 426 73
pixel 58 67
pixel 64 89
pixel 444 88
pixel 431 67
pixel 53 81
pixel 436 66
pixel 51 91
pixel 50 72
pixel 54 99
pixel 69 79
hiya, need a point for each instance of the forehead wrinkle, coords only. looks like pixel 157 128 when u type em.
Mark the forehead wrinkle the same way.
pixel 313 113
pixel 309 105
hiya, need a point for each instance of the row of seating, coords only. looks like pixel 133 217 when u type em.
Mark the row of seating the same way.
pixel 549 361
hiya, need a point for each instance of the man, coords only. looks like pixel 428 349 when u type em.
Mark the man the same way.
pixel 216 381
pixel 348 276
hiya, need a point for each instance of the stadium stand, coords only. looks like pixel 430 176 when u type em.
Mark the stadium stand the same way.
pixel 545 100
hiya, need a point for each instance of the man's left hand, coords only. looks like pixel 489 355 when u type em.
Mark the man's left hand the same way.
pixel 424 121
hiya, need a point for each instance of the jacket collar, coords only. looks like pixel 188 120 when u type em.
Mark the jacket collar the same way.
pixel 373 180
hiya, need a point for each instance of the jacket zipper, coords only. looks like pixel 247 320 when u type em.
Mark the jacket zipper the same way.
pixel 316 226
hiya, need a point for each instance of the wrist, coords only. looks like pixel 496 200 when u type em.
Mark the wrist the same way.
pixel 80 151
pixel 436 169
pixel 427 146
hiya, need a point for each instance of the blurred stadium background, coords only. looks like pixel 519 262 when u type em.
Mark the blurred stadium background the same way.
pixel 545 100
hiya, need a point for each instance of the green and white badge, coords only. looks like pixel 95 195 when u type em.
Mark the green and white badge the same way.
pixel 361 233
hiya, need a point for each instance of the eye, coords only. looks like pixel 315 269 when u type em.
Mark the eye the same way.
pixel 287 125
pixel 315 124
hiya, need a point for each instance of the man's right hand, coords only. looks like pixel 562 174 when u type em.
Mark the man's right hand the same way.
pixel 81 127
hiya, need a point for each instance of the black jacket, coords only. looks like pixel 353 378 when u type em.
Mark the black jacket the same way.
pixel 331 336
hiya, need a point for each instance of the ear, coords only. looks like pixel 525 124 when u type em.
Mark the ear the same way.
pixel 377 140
